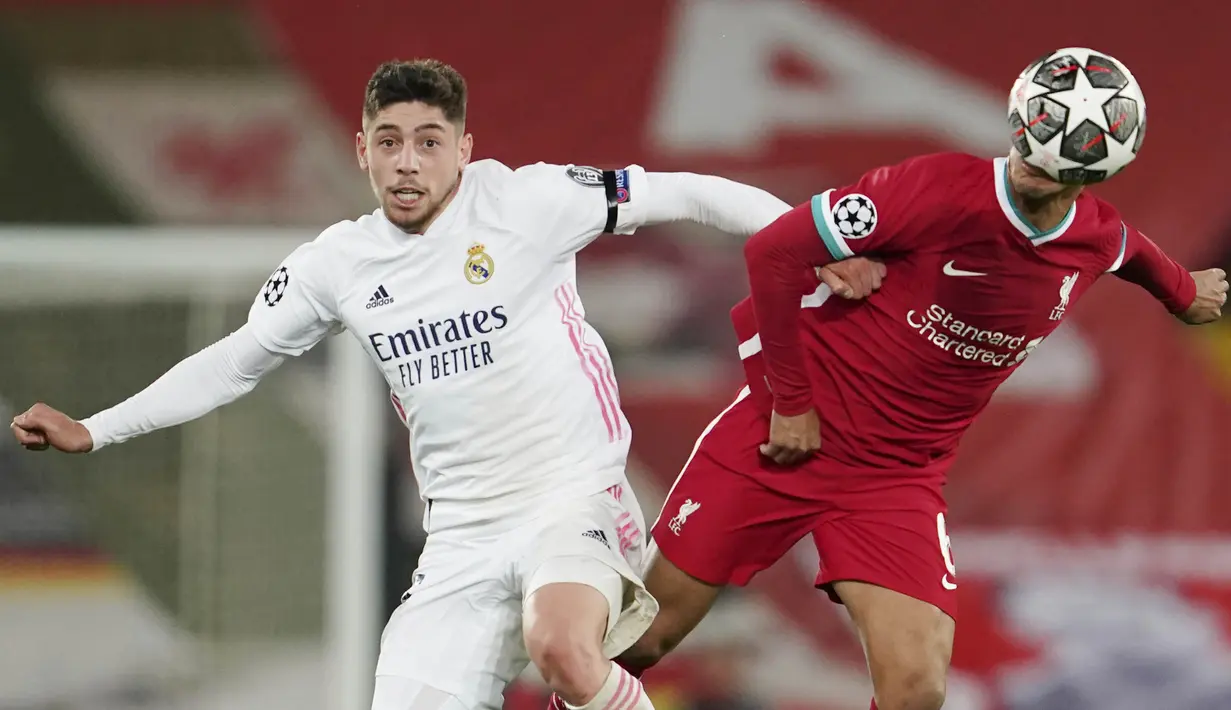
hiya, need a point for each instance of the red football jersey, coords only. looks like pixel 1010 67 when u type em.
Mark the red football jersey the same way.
pixel 972 289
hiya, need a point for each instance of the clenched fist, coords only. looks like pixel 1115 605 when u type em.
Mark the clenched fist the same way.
pixel 40 427
pixel 855 278
pixel 792 439
pixel 1211 296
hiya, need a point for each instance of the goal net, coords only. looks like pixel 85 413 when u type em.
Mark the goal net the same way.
pixel 231 563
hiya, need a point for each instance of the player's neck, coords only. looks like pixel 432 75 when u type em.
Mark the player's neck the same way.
pixel 1046 213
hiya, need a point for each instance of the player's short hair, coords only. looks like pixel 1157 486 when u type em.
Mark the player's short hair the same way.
pixel 429 81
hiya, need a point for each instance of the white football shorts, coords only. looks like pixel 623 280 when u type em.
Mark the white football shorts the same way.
pixel 458 631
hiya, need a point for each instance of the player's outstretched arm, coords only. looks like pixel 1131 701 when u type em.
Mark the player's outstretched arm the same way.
pixel 293 311
pixel 217 375
pixel 713 201
pixel 1195 298
pixel 743 210
pixel 568 206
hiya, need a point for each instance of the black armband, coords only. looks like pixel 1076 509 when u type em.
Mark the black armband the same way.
pixel 613 200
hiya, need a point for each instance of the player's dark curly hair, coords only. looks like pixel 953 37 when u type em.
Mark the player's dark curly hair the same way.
pixel 429 81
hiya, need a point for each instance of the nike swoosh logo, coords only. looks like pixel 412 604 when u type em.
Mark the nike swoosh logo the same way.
pixel 950 270
pixel 944 582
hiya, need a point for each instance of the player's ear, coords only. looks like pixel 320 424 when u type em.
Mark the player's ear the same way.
pixel 361 150
pixel 464 148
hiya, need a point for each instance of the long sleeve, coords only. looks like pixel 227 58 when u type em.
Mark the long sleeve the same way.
pixel 568 206
pixel 780 259
pixel 199 384
pixel 717 202
pixel 886 212
pixel 1148 266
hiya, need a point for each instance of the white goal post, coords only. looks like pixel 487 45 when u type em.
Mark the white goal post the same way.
pixel 213 271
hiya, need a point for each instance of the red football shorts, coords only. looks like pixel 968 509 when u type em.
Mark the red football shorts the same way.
pixel 726 519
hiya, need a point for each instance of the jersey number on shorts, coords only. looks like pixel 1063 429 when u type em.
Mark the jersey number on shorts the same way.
pixel 946 552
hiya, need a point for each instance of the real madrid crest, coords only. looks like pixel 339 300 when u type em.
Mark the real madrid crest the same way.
pixel 479 265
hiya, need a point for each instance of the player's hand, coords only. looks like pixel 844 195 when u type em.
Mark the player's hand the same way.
pixel 792 439
pixel 1211 297
pixel 40 427
pixel 855 278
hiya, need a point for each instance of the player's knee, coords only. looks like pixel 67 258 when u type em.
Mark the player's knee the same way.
pixel 564 629
pixel 917 688
pixel 569 658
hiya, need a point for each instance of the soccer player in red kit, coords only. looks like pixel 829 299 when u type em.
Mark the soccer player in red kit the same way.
pixel 853 411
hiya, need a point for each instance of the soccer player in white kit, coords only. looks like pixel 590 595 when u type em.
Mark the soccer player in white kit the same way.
pixel 462 289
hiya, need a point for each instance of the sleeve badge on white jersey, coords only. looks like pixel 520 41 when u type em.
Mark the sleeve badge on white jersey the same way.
pixel 275 287
pixel 585 175
pixel 479 265
pixel 622 187
pixel 854 215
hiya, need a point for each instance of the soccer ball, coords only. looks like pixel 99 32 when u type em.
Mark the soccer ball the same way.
pixel 1078 115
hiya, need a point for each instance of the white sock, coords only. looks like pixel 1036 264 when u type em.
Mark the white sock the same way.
pixel 620 691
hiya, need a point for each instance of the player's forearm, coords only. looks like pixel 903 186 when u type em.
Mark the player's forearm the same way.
pixel 1150 268
pixel 779 259
pixel 717 202
pixel 217 375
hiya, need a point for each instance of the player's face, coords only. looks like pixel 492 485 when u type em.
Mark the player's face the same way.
pixel 414 158
pixel 1031 182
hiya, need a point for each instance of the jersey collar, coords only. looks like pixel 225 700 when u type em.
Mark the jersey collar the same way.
pixel 1016 218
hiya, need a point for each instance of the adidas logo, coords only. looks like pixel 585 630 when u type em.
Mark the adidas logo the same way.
pixel 380 298
pixel 597 535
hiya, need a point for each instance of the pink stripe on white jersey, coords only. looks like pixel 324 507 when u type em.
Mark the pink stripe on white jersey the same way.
pixel 606 369
pixel 591 354
pixel 627 530
pixel 575 335
pixel 397 404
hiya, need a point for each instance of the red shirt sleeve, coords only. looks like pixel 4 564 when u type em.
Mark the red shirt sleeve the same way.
pixel 880 214
pixel 1142 262
pixel 779 260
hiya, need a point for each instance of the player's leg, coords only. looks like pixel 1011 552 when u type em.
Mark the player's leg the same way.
pixel 907 642
pixel 718 527
pixel 683 601
pixel 566 624
pixel 894 572
pixel 455 642
pixel 583 601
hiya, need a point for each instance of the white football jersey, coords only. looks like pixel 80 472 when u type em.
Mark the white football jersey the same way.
pixel 508 393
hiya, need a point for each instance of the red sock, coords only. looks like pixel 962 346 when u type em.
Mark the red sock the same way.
pixel 872 708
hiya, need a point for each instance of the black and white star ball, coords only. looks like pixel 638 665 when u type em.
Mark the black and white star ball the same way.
pixel 1077 114
pixel 854 215
pixel 276 286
